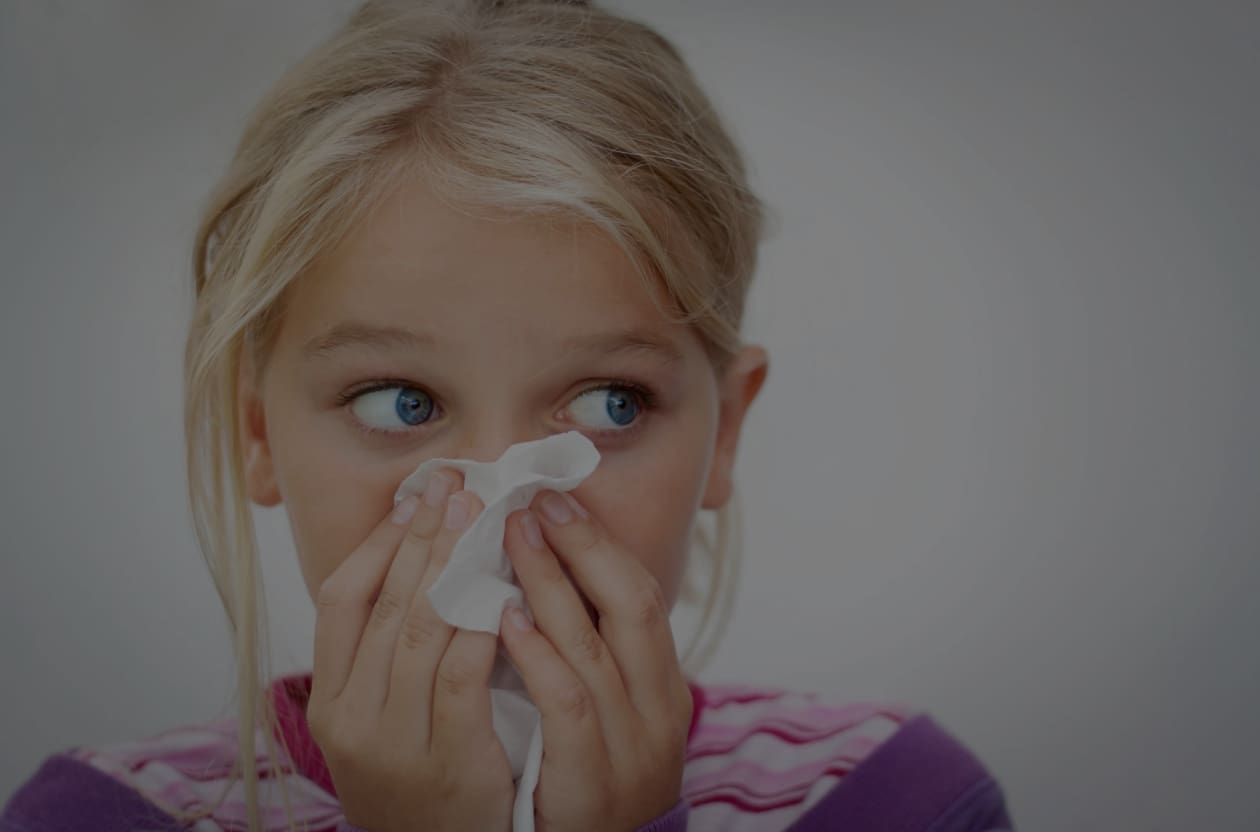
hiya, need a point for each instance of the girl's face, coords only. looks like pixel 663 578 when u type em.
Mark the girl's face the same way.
pixel 429 333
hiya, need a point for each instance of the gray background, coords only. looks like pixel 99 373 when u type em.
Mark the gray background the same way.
pixel 1005 467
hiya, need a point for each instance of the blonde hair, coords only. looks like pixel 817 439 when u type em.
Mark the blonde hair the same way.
pixel 550 110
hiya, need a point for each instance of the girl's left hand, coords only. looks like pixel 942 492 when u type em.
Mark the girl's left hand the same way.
pixel 614 702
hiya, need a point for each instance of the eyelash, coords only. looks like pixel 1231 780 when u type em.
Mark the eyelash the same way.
pixel 647 399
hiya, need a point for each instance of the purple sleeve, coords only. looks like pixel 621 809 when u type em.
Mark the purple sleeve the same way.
pixel 68 795
pixel 675 820
pixel 920 780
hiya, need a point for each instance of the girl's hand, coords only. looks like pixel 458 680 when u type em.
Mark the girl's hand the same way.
pixel 614 702
pixel 400 701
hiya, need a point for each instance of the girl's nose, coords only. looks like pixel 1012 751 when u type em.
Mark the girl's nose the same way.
pixel 488 446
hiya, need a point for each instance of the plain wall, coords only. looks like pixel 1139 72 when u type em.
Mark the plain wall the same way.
pixel 1005 467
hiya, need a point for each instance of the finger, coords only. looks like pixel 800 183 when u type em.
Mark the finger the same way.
pixel 633 612
pixel 562 618
pixel 371 676
pixel 344 602
pixel 572 733
pixel 426 636
pixel 462 716
pixel 462 509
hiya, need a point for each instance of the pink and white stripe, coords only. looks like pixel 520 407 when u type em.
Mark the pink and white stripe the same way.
pixel 761 758
pixel 757 759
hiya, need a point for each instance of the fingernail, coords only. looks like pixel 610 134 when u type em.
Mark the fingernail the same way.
pixel 531 530
pixel 456 512
pixel 439 486
pixel 557 509
pixel 405 510
pixel 518 619
pixel 576 506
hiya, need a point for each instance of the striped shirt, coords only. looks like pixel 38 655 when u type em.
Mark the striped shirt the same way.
pixel 758 758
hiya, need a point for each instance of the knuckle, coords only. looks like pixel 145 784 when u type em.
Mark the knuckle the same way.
pixel 417 538
pixel 386 607
pixel 553 577
pixel 419 630
pixel 588 646
pixel 331 595
pixel 574 702
pixel 455 677
pixel 647 605
pixel 584 538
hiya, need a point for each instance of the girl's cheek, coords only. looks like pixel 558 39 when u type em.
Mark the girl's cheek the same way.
pixel 331 524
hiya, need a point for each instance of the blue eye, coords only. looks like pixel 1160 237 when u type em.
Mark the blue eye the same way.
pixel 615 407
pixel 383 409
pixel 617 404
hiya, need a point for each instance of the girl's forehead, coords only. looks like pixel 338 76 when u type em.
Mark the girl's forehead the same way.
pixel 415 231
pixel 416 257
pixel 514 322
pixel 486 288
pixel 418 275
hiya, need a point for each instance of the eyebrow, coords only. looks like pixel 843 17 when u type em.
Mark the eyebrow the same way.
pixel 633 341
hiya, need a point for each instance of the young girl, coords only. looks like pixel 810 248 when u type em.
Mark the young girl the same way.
pixel 454 227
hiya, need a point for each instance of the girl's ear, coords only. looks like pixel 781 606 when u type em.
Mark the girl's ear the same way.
pixel 738 387
pixel 260 476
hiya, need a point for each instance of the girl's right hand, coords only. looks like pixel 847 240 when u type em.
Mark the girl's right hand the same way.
pixel 400 700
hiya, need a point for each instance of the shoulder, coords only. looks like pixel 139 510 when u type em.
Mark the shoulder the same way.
pixel 147 785
pixel 762 757
pixel 67 795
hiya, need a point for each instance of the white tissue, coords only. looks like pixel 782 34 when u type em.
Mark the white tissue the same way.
pixel 478 580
